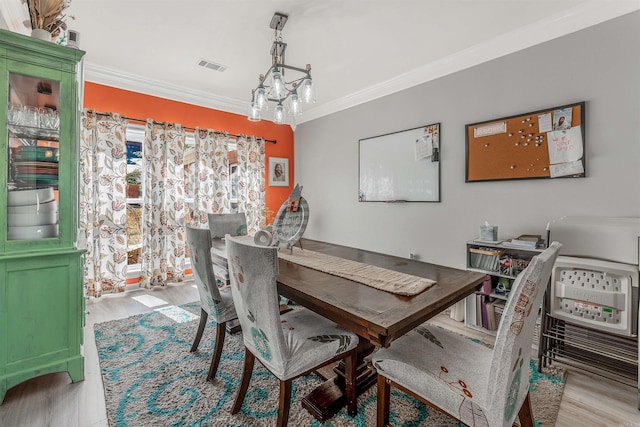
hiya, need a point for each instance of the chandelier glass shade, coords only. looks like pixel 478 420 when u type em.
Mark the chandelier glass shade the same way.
pixel 282 84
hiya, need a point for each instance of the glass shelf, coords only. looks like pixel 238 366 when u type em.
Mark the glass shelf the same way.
pixel 34 133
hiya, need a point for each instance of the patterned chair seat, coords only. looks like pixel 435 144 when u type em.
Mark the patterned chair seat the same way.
pixel 476 385
pixel 310 340
pixel 449 368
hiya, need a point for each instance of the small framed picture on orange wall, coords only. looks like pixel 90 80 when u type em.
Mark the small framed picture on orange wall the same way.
pixel 278 172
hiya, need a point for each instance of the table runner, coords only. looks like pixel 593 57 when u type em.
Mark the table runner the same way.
pixel 377 277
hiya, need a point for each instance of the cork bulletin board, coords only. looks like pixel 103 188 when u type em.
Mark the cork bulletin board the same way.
pixel 547 143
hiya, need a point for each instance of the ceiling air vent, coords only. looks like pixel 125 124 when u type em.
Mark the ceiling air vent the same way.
pixel 211 65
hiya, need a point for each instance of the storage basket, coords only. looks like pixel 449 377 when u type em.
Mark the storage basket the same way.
pixel 510 266
pixel 485 258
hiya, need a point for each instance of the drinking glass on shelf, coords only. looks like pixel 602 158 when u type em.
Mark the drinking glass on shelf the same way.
pixel 55 119
pixel 14 114
pixel 45 117
pixel 31 116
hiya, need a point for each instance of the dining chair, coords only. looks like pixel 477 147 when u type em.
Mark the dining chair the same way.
pixel 288 345
pixel 472 383
pixel 214 301
pixel 234 224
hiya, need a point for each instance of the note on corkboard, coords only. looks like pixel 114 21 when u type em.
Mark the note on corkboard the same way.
pixel 542 144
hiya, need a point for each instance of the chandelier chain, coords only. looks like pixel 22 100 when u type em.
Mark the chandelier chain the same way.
pixel 277 58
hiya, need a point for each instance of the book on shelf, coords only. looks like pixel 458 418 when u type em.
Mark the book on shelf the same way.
pixel 498 309
pixel 489 242
pixel 528 241
pixel 530 237
pixel 489 312
pixel 520 243
pixel 485 314
pixel 491 319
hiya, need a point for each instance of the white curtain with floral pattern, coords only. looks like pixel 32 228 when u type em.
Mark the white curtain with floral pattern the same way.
pixel 103 205
pixel 211 176
pixel 251 182
pixel 163 222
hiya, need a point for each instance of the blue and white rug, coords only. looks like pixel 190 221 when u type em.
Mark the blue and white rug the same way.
pixel 151 379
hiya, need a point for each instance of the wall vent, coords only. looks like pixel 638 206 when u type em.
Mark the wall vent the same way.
pixel 211 65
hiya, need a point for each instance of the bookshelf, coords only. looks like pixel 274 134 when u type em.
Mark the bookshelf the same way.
pixel 501 261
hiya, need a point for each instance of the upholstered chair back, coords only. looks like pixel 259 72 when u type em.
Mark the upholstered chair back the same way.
pixel 509 381
pixel 199 241
pixel 234 224
pixel 252 271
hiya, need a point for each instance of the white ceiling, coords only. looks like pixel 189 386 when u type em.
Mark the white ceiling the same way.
pixel 359 49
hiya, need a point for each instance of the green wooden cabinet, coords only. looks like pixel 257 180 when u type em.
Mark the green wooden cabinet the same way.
pixel 41 289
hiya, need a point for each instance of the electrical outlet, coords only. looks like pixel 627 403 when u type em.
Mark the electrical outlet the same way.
pixel 413 255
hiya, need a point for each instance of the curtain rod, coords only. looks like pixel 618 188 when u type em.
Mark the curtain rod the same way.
pixel 275 141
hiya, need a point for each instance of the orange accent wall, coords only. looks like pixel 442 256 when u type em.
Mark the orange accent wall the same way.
pixel 108 99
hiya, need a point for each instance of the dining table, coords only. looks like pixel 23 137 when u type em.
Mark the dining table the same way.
pixel 378 317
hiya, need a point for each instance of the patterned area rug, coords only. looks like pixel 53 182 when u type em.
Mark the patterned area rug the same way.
pixel 151 379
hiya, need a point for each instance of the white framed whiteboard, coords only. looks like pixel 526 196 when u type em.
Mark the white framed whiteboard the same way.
pixel 401 166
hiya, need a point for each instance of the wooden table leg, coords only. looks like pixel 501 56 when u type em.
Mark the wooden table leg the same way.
pixel 329 397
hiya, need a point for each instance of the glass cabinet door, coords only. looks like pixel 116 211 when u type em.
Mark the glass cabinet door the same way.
pixel 33 135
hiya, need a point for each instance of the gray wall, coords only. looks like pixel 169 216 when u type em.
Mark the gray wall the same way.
pixel 599 65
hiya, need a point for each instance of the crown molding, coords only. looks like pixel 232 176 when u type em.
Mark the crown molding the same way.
pixel 136 83
pixel 572 20
pixel 588 14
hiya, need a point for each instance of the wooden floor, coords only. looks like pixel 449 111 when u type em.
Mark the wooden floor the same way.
pixel 51 400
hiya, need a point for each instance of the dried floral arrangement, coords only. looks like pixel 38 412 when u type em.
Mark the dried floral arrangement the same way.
pixel 48 15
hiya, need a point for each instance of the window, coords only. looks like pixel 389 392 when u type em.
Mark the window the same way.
pixel 135 137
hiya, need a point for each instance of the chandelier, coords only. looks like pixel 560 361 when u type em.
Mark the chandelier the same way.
pixel 273 87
